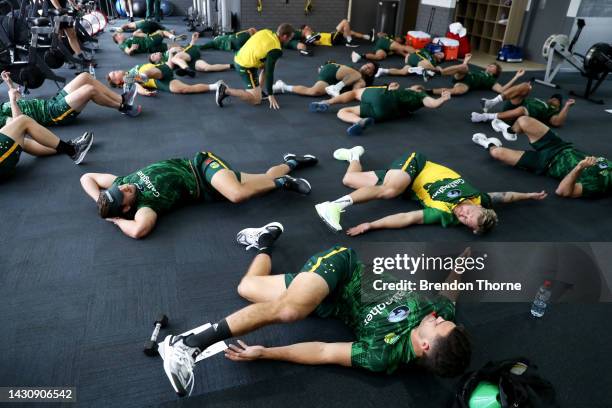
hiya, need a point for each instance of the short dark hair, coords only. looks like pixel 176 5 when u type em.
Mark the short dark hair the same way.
pixel 557 96
pixel 498 69
pixel 303 26
pixel 284 29
pixel 450 355
pixel 114 37
pixel 103 205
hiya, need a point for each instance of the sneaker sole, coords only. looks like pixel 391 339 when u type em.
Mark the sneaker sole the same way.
pixel 309 186
pixel 217 101
pixel 79 159
pixel 308 156
pixel 331 227
pixel 180 391
pixel 348 151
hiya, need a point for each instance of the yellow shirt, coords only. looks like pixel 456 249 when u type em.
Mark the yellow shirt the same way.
pixel 255 50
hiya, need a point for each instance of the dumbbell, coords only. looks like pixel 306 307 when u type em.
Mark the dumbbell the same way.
pixel 150 346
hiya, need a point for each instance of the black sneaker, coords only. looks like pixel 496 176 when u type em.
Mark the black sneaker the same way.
pixel 306 53
pixel 259 238
pixel 373 35
pixel 186 71
pixel 81 145
pixel 220 95
pixel 306 160
pixel 130 110
pixel 299 185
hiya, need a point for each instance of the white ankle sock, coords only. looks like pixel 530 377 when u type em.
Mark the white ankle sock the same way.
pixel 383 70
pixel 340 85
pixel 366 36
pixel 498 99
pixel 288 88
pixel 344 201
pixel 213 87
pixel 490 116
pixel 349 38
pixel 354 156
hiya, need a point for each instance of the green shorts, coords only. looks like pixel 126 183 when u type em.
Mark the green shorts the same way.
pixel 546 149
pixel 194 53
pixel 207 164
pixel 336 266
pixel 413 60
pixel 149 26
pixel 58 109
pixel 292 45
pixel 327 73
pixel 248 75
pixel 375 103
pixel 383 43
pixel 221 43
pixel 167 73
pixel 412 163
pixel 10 152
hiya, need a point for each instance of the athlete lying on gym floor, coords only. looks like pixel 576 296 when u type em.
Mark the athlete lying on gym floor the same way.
pixel 151 78
pixel 581 175
pixel 141 43
pixel 134 202
pixel 143 26
pixel 64 107
pixel 383 47
pixel 41 141
pixel 418 62
pixel 188 60
pixel 466 80
pixel 379 104
pixel 410 328
pixel 518 103
pixel 343 35
pixel 229 42
pixel 333 79
pixel 447 198
pixel 255 62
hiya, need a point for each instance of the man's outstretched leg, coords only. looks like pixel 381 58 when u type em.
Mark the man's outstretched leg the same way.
pixel 343 98
pixel 369 185
pixel 44 142
pixel 85 88
pixel 304 294
pixel 353 115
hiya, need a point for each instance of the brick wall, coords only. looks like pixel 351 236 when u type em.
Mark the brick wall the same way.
pixel 442 18
pixel 325 15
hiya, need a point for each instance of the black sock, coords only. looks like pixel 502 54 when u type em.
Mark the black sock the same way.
pixel 65 148
pixel 231 65
pixel 280 181
pixel 266 250
pixel 215 333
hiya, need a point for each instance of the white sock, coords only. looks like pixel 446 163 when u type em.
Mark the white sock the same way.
pixel 366 36
pixel 498 99
pixel 490 116
pixel 344 201
pixel 288 88
pixel 354 156
pixel 340 85
pixel 213 87
pixel 172 37
pixel 349 38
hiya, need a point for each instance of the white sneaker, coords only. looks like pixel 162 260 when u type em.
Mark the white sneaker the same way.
pixel 330 214
pixel 355 57
pixel 179 361
pixel 488 104
pixel 380 72
pixel 499 125
pixel 479 117
pixel 251 236
pixel 482 140
pixel 279 87
pixel 416 70
pixel 348 154
pixel 332 90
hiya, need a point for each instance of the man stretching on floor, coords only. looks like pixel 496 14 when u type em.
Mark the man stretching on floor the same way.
pixel 383 47
pixel 343 35
pixel 188 59
pixel 333 79
pixel 229 42
pixel 64 107
pixel 134 202
pixel 419 62
pixel 41 142
pixel 447 198
pixel 408 328
pixel 379 104
pixel 260 53
pixel 518 103
pixel 143 26
pixel 152 78
pixel 141 43
pixel 581 175
pixel 465 80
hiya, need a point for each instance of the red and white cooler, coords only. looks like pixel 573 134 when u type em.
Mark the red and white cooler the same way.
pixel 449 46
pixel 418 39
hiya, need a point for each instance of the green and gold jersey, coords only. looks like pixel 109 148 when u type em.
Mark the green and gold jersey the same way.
pixel 383 321
pixel 440 189
pixel 595 180
pixel 539 109
pixel 146 44
pixel 34 108
pixel 478 80
pixel 164 185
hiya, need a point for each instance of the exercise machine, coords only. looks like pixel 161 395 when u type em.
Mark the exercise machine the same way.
pixel 594 65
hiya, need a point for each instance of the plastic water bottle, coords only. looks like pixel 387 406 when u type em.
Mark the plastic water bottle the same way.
pixel 92 70
pixel 538 307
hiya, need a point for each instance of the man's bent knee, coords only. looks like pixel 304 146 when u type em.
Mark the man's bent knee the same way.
pixel 287 313
pixel 387 193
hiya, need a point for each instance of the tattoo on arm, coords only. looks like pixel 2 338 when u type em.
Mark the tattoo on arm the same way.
pixel 503 197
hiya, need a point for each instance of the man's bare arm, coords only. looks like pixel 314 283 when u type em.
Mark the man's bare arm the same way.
pixel 400 220
pixel 140 226
pixel 311 353
pixel 93 183
pixel 507 197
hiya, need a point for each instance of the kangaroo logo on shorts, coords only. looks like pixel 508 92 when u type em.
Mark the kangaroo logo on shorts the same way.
pixel 398 314
pixel 214 165
pixel 454 193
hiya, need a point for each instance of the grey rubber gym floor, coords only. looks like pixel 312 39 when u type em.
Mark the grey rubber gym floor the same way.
pixel 78 297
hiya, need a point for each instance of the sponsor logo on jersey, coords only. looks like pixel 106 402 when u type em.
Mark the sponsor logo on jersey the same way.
pixel 148 183
pixel 452 185
pixel 454 193
pixel 398 314
pixel 391 338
